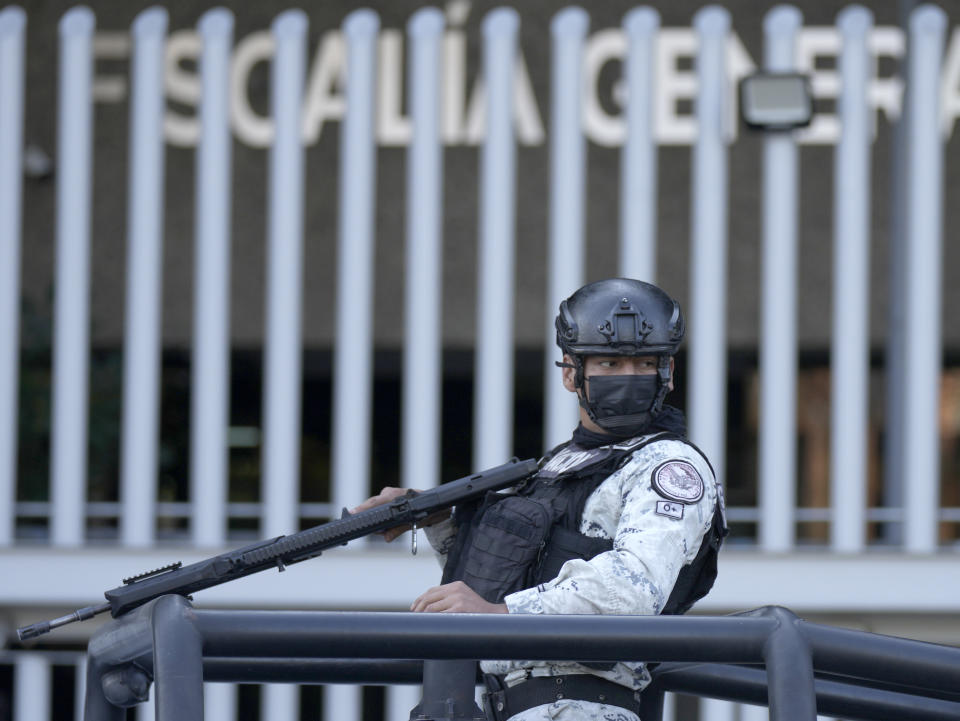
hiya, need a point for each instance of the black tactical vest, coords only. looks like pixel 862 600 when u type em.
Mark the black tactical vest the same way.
pixel 508 542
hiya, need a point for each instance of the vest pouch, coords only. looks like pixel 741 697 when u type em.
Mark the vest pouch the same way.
pixel 564 546
pixel 507 540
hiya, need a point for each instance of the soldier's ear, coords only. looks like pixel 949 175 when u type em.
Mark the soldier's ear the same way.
pixel 672 365
pixel 569 373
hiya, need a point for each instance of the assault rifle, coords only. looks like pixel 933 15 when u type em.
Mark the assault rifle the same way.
pixel 283 551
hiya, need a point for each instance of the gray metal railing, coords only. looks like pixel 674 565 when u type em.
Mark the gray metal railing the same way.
pixel 794 667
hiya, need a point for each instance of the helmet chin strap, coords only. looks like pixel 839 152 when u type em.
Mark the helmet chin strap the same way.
pixel 663 377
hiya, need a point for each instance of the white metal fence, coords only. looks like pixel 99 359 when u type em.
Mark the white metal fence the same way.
pixel 280 510
pixel 208 509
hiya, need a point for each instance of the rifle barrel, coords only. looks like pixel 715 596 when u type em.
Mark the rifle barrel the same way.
pixel 81 614
pixel 284 550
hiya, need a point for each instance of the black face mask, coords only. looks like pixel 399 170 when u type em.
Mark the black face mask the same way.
pixel 622 405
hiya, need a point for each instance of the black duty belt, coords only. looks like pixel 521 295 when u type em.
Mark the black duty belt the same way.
pixel 501 702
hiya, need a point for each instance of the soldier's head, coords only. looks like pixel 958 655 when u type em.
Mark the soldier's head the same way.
pixel 618 337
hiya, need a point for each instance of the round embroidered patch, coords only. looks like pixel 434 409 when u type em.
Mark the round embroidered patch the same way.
pixel 678 481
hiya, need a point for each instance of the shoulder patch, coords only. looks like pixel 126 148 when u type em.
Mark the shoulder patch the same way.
pixel 678 481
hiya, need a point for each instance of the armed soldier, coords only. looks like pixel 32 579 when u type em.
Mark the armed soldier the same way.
pixel 624 518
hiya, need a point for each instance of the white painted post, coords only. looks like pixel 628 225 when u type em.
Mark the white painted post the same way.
pixel 210 371
pixel 568 157
pixel 71 320
pixel 139 453
pixel 147 711
pixel 638 158
pixel 80 687
pixel 280 486
pixel 31 687
pixel 353 350
pixel 422 360
pixel 13 25
pixel 749 712
pixel 778 309
pixel 712 709
pixel 496 267
pixel 280 702
pixel 342 703
pixel 708 284
pixel 850 352
pixel 924 281
pixel 401 700
pixel 669 707
pixel 219 702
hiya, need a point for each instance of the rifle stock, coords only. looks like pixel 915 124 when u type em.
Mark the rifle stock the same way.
pixel 283 551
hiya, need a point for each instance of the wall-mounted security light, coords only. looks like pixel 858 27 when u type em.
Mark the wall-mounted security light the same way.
pixel 776 101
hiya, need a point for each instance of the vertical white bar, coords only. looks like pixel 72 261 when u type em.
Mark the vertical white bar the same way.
pixel 708 286
pixel 71 342
pixel 13 24
pixel 712 709
pixel 638 157
pixel 568 156
pixel 80 687
pixel 401 700
pixel 493 372
pixel 749 712
pixel 922 331
pixel 219 702
pixel 669 707
pixel 142 335
pixel 850 352
pixel 210 370
pixel 31 687
pixel 280 487
pixel 353 352
pixel 147 711
pixel 422 374
pixel 342 703
pixel 778 308
pixel 280 702
pixel 895 351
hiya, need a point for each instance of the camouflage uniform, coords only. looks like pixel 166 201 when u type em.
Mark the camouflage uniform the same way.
pixel 573 710
pixel 651 545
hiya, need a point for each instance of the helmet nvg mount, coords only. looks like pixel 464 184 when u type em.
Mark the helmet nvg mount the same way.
pixel 620 316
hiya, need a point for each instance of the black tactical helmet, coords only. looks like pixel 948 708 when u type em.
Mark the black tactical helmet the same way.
pixel 619 316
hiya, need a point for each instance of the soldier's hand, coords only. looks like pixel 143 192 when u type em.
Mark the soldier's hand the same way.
pixel 456 597
pixel 388 495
